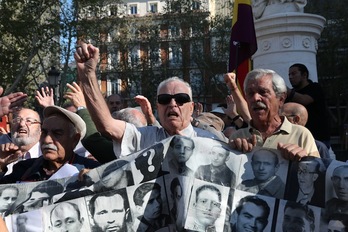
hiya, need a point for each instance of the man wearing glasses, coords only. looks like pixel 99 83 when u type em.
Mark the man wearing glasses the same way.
pixel 207 208
pixel 308 173
pixel 24 141
pixel 174 105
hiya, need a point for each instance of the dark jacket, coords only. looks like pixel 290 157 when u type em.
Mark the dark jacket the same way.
pixel 33 169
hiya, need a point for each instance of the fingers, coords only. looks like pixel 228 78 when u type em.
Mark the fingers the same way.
pixel 82 173
pixel 242 144
pixel 85 52
pixel 292 151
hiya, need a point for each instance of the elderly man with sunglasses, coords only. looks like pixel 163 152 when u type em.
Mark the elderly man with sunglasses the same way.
pixel 174 105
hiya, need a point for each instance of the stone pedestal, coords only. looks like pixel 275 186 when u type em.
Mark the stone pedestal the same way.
pixel 287 38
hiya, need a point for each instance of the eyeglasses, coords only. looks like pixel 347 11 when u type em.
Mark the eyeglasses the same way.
pixel 28 121
pixel 180 98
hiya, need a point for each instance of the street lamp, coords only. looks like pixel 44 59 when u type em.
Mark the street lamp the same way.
pixel 53 80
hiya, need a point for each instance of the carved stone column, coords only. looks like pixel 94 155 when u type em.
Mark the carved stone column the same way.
pixel 287 38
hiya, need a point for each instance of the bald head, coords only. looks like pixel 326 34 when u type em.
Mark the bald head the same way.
pixel 295 113
pixel 131 115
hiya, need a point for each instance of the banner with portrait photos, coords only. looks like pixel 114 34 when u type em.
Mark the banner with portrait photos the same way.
pixel 184 184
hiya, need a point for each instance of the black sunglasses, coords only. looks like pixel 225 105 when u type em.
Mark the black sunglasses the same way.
pixel 180 98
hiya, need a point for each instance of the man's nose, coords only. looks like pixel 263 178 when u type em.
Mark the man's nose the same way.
pixel 172 102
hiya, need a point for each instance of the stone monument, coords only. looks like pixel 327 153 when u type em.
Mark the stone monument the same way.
pixel 286 35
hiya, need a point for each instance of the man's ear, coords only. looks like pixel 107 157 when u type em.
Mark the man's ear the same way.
pixel 82 220
pixel 315 176
pixel 296 119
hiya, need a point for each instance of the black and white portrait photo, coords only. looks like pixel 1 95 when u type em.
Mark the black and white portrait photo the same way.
pixel 251 212
pixel 207 207
pixel 265 173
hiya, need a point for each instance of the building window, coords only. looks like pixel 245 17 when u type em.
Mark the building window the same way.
pixel 153 7
pixel 133 9
pixel 174 31
pixel 113 9
pixel 195 5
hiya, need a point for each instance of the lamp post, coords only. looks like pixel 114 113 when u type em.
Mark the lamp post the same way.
pixel 53 81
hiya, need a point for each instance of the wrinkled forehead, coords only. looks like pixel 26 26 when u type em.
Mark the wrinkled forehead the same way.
pixel 173 87
pixel 27 113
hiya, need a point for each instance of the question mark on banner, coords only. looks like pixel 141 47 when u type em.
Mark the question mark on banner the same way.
pixel 151 154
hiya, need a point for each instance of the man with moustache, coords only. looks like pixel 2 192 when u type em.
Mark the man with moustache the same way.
pixel 265 93
pixel 174 105
pixel 60 132
pixel 109 211
pixel 25 135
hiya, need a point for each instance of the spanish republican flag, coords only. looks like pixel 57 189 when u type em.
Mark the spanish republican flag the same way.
pixel 243 42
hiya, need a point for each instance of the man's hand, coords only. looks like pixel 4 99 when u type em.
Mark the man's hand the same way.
pixel 75 95
pixel 231 109
pixel 243 144
pixel 7 103
pixel 45 98
pixel 291 151
pixel 146 108
pixel 86 57
pixel 9 152
pixel 230 80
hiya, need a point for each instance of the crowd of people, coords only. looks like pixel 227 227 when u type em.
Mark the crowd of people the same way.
pixel 93 130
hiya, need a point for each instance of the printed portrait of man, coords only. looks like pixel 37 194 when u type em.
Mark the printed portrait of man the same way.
pixel 251 214
pixel 206 208
pixel 109 211
pixel 217 171
pixel 338 204
pixel 149 162
pixel 181 149
pixel 148 208
pixel 311 187
pixel 338 223
pixel 40 195
pixel 115 176
pixel 298 217
pixel 264 164
pixel 66 217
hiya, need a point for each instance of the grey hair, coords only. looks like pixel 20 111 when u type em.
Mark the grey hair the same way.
pixel 278 82
pixel 130 115
pixel 171 79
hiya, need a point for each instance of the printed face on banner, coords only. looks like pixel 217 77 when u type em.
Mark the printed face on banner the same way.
pixel 208 207
pixel 152 206
pixel 340 182
pixel 295 220
pixel 307 175
pixel 110 214
pixel 7 198
pixel 251 218
pixel 264 164
pixel 219 156
pixel 182 150
pixel 66 218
